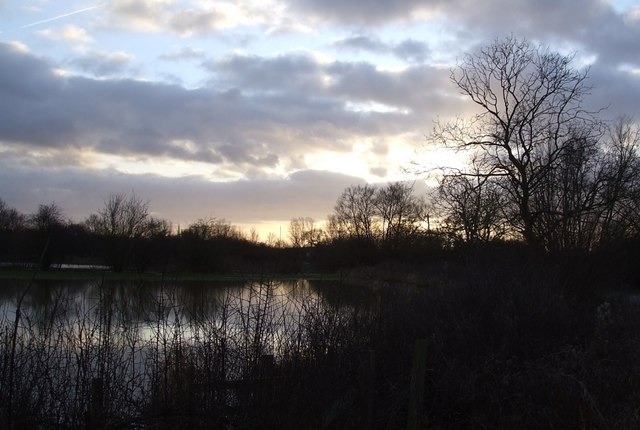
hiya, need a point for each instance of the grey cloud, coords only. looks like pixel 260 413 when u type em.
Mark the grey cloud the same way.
pixel 276 111
pixel 361 42
pixel 133 8
pixel 180 18
pixel 615 90
pixel 115 116
pixel 296 71
pixel 25 76
pixel 591 25
pixel 409 50
pixel 136 13
pixel 190 22
pixel 28 90
pixel 362 12
pixel 186 53
pixel 415 88
pixel 412 50
pixel 616 42
pixel 103 64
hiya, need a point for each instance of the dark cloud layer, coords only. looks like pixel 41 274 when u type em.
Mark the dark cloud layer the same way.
pixel 410 50
pixel 363 12
pixel 258 111
pixel 592 25
pixel 102 64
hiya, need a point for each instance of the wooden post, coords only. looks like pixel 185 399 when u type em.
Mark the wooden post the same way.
pixel 96 414
pixel 367 373
pixel 416 388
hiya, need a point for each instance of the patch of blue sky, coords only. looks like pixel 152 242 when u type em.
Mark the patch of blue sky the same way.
pixel 623 6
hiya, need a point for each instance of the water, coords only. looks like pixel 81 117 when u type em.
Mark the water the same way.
pixel 158 347
pixel 159 309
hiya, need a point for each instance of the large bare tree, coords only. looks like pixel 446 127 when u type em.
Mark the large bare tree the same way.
pixel 530 105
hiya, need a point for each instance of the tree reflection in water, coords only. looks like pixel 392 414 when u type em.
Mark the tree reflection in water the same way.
pixel 159 351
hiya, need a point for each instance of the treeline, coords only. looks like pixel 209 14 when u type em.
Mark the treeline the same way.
pixel 123 235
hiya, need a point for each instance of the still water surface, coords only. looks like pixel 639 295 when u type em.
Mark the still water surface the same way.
pixel 147 341
pixel 250 314
pixel 150 305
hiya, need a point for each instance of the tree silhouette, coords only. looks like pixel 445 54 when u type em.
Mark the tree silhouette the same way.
pixel 122 222
pixel 531 108
pixel 47 221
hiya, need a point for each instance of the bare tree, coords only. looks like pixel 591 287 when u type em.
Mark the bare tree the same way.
pixel 11 222
pixel 531 106
pixel 47 217
pixel 568 200
pixel 47 221
pixel 122 221
pixel 471 207
pixel 401 212
pixel 121 216
pixel 10 218
pixel 621 193
pixel 254 236
pixel 303 232
pixel 591 195
pixel 274 241
pixel 355 213
pixel 210 228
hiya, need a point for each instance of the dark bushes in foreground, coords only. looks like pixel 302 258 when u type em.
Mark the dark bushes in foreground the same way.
pixel 510 345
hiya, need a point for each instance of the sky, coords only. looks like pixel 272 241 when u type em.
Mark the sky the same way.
pixel 259 111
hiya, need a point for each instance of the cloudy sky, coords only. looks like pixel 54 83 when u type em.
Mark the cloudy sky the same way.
pixel 258 111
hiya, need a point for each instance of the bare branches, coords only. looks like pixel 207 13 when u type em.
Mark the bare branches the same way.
pixel 304 232
pixel 531 101
pixel 388 215
pixel 122 221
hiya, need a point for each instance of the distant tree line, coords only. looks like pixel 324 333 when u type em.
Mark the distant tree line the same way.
pixel 123 235
pixel 368 224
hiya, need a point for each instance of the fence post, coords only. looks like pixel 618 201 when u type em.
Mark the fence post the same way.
pixel 96 413
pixel 416 387
pixel 367 373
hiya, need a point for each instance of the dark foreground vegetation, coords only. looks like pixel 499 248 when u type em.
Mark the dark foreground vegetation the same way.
pixel 505 339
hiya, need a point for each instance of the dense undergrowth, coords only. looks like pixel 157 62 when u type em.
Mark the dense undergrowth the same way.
pixel 514 341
